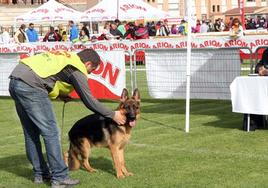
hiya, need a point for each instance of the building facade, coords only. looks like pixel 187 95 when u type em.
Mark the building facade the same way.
pixel 203 9
pixel 36 2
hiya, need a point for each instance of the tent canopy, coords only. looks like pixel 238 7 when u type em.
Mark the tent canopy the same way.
pixel 123 10
pixel 50 11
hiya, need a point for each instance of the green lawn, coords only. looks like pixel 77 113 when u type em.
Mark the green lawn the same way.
pixel 216 153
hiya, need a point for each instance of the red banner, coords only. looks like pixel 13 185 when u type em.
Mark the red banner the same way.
pixel 241 6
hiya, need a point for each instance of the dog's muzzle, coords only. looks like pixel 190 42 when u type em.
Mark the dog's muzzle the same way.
pixel 131 118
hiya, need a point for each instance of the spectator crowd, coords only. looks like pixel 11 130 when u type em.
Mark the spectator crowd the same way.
pixel 129 30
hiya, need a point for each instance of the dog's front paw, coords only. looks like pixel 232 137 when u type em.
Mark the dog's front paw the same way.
pixel 66 158
pixel 129 174
pixel 92 170
pixel 120 176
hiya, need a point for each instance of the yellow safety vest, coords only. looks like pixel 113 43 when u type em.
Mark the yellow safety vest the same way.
pixel 50 63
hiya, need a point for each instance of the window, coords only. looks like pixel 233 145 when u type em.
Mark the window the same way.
pixel 218 8
pixel 204 17
pixel 250 0
pixel 173 6
pixel 159 6
pixel 173 1
pixel 213 8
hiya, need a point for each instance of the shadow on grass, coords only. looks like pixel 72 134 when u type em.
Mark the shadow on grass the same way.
pixel 102 164
pixel 17 165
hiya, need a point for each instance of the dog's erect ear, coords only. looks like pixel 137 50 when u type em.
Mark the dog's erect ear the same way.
pixel 136 95
pixel 124 95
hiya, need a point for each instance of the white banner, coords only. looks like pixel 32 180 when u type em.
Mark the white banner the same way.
pixel 7 64
pixel 211 73
pixel 251 41
pixel 107 81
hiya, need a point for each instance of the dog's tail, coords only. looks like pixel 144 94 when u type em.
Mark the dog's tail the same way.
pixel 72 157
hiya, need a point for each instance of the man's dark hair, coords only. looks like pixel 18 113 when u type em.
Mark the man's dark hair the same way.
pixel 117 21
pixel 89 55
pixel 23 26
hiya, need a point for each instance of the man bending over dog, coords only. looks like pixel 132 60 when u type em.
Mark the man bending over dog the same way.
pixel 52 75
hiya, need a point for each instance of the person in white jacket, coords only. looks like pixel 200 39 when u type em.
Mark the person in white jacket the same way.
pixel 4 37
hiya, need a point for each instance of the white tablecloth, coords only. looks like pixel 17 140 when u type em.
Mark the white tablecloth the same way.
pixel 249 95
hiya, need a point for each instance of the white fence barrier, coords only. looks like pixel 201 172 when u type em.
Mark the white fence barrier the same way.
pixel 8 61
pixel 212 71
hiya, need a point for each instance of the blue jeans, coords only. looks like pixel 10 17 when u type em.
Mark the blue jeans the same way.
pixel 37 117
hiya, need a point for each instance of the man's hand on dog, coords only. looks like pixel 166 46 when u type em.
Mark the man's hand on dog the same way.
pixel 119 118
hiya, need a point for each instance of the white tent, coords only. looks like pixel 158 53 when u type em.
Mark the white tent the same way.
pixel 50 11
pixel 123 10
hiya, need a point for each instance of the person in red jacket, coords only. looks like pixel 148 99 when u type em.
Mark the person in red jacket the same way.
pixel 51 35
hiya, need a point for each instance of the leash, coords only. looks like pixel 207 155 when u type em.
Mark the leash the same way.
pixel 62 125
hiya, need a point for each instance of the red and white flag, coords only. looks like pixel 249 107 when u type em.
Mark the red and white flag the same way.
pixel 109 79
pixel 241 6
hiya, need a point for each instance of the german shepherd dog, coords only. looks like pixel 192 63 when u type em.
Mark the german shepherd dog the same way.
pixel 95 130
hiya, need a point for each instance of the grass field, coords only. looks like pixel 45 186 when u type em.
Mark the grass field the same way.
pixel 216 153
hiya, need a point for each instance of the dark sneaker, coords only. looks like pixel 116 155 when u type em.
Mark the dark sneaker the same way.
pixel 65 183
pixel 42 179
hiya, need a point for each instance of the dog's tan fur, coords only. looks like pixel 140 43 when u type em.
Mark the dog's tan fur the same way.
pixel 115 140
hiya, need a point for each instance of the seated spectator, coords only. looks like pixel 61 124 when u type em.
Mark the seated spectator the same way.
pixel 141 32
pixel 260 23
pixel 32 33
pixel 151 28
pixel 121 26
pixel 217 26
pixel 222 25
pixel 174 29
pixel 4 36
pixel 157 28
pixel 82 37
pixel 94 39
pixel 164 29
pixel 62 33
pixel 85 30
pixel 51 35
pixel 130 33
pixel 258 121
pixel 197 27
pixel 115 32
pixel 236 30
pixel 262 67
pixel 20 36
pixel 103 37
pixel 251 24
pixel 183 28
pixel 60 37
pixel 204 27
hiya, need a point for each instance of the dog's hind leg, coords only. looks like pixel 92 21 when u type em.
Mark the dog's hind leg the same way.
pixel 122 161
pixel 73 161
pixel 85 152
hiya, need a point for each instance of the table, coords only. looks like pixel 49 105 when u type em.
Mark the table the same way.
pixel 249 95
